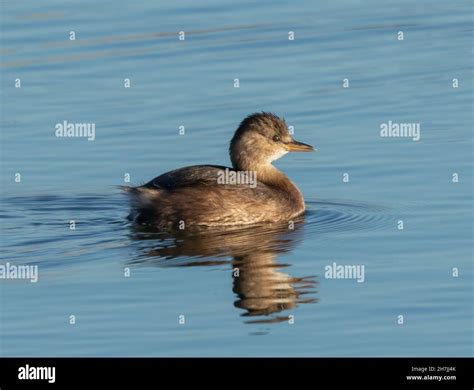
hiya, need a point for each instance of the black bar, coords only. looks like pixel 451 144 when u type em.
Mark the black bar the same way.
pixel 316 372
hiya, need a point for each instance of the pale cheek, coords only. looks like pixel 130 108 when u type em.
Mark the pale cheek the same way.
pixel 278 154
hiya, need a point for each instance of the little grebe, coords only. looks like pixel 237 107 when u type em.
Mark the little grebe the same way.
pixel 210 195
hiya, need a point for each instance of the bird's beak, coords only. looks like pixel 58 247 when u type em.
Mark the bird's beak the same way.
pixel 295 146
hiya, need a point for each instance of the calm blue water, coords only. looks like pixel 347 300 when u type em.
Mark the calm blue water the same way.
pixel 190 83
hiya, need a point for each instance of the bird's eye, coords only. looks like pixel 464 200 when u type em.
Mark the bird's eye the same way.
pixel 276 138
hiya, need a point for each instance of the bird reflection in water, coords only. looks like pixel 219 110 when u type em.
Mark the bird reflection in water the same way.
pixel 262 289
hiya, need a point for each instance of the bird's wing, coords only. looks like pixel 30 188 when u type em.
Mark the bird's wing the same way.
pixel 185 177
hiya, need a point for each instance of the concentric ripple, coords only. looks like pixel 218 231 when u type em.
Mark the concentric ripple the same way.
pixel 330 217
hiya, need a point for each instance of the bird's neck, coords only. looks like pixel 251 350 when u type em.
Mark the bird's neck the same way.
pixel 271 176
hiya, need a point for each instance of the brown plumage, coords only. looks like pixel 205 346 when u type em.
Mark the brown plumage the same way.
pixel 197 196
